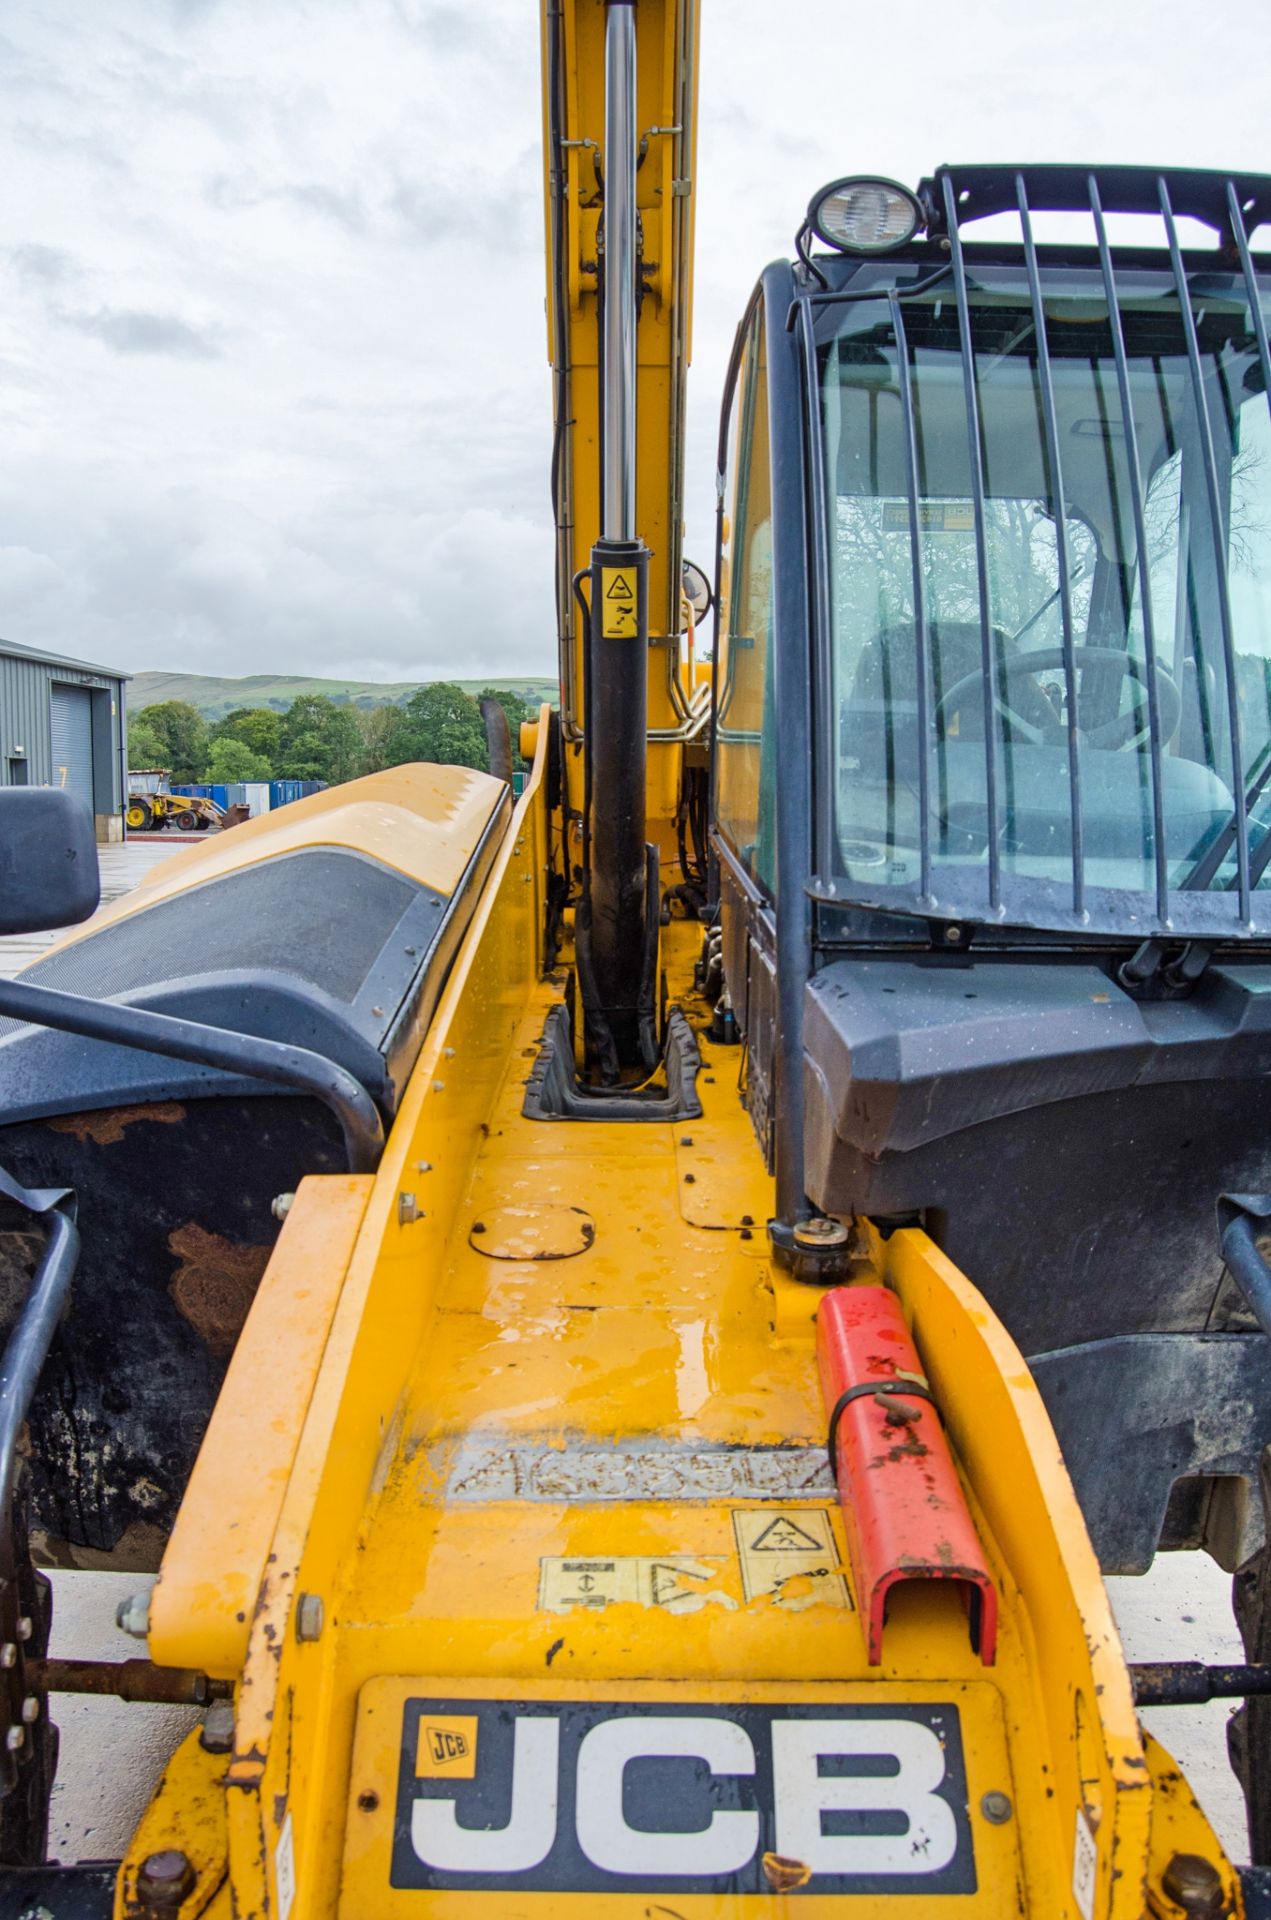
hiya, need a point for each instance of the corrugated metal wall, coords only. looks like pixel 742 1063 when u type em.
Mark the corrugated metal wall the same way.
pixel 25 722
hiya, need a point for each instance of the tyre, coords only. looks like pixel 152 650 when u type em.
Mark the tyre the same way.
pixel 1249 1729
pixel 188 820
pixel 139 817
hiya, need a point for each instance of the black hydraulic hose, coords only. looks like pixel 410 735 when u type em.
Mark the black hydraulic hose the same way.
pixel 21 1365
pixel 27 1347
pixel 1238 1229
pixel 270 1060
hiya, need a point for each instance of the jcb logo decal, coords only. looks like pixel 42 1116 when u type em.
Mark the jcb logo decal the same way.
pixel 447 1748
pixel 603 1796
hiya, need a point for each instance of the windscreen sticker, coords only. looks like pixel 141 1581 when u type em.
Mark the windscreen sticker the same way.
pixel 934 516
pixel 675 1582
pixel 575 1796
pixel 791 1555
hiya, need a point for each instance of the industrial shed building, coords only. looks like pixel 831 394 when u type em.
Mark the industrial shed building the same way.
pixel 62 724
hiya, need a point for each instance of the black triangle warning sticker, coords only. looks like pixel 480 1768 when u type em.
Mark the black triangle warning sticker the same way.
pixel 621 589
pixel 783 1535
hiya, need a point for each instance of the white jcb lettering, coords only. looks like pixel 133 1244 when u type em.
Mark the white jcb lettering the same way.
pixel 723 1845
pixel 804 1794
pixel 530 1833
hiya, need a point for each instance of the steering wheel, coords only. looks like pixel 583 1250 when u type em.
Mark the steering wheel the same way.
pixel 1110 733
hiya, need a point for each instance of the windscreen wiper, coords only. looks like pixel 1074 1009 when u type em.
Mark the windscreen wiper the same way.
pixel 1182 973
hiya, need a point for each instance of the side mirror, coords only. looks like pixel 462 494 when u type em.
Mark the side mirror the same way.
pixel 48 860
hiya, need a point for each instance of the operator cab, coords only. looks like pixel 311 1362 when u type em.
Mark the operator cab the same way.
pixel 995 625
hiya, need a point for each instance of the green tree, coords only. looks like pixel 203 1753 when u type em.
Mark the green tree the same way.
pixel 380 726
pixel 259 728
pixel 440 723
pixel 145 748
pixel 180 733
pixel 229 760
pixel 318 741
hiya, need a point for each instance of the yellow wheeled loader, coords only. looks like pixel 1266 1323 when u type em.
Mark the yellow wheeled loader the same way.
pixel 152 804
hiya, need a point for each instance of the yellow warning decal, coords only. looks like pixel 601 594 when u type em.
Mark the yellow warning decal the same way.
pixel 447 1747
pixel 675 1582
pixel 791 1555
pixel 618 603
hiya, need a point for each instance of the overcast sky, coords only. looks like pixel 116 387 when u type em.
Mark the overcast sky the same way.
pixel 273 382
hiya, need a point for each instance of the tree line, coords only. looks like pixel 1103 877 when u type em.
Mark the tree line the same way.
pixel 314 739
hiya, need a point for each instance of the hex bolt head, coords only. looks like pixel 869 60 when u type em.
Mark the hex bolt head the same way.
pixel 407 1209
pixel 996 1808
pixel 133 1615
pixel 8 1654
pixel 310 1616
pixel 26 1627
pixel 30 1710
pixel 165 1879
pixel 15 1738
pixel 281 1204
pixel 1195 1884
pixel 218 1728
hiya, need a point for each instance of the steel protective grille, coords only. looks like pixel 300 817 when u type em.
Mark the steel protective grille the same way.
pixel 1214 891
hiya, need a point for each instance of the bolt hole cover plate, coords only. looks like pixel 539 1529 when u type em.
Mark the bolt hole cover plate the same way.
pixel 532 1233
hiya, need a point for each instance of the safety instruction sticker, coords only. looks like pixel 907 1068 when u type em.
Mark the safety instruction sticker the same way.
pixel 618 603
pixel 934 516
pixel 792 1555
pixel 676 1582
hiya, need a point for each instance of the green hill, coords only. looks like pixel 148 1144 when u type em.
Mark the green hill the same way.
pixel 215 697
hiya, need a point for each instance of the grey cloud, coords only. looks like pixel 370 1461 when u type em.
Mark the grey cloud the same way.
pixel 46 266
pixel 234 193
pixel 138 332
pixel 448 29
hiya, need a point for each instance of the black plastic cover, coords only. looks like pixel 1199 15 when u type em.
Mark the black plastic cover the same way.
pixel 48 860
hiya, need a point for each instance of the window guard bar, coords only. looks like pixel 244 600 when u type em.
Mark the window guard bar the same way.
pixel 1138 499
pixel 1210 465
pixel 987 649
pixel 1058 503
pixel 920 594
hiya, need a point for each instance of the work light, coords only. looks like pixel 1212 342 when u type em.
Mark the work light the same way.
pixel 862 215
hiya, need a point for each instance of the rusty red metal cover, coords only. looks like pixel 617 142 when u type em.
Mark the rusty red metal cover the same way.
pixel 905 1513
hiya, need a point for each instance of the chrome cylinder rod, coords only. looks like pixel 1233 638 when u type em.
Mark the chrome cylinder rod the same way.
pixel 620 271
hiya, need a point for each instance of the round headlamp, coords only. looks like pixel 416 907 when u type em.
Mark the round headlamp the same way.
pixel 863 215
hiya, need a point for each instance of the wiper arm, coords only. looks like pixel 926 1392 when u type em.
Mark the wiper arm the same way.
pixel 1076 573
pixel 1202 874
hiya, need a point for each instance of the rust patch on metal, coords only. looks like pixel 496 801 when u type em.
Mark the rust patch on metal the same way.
pixel 107 1128
pixel 215 1284
pixel 783 1874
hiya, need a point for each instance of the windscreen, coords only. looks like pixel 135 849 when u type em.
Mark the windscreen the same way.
pixel 1050 676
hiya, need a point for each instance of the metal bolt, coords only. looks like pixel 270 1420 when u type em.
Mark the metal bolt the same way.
pixel 132 1615
pixel 218 1728
pixel 30 1710
pixel 1194 1884
pixel 448 1053
pixel 8 1654
pixel 281 1204
pixel 423 1166
pixel 15 1738
pixel 407 1209
pixel 378 1012
pixel 310 1616
pixel 165 1879
pixel 26 1627
pixel 996 1808
pixel 953 935
pixel 818 1232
